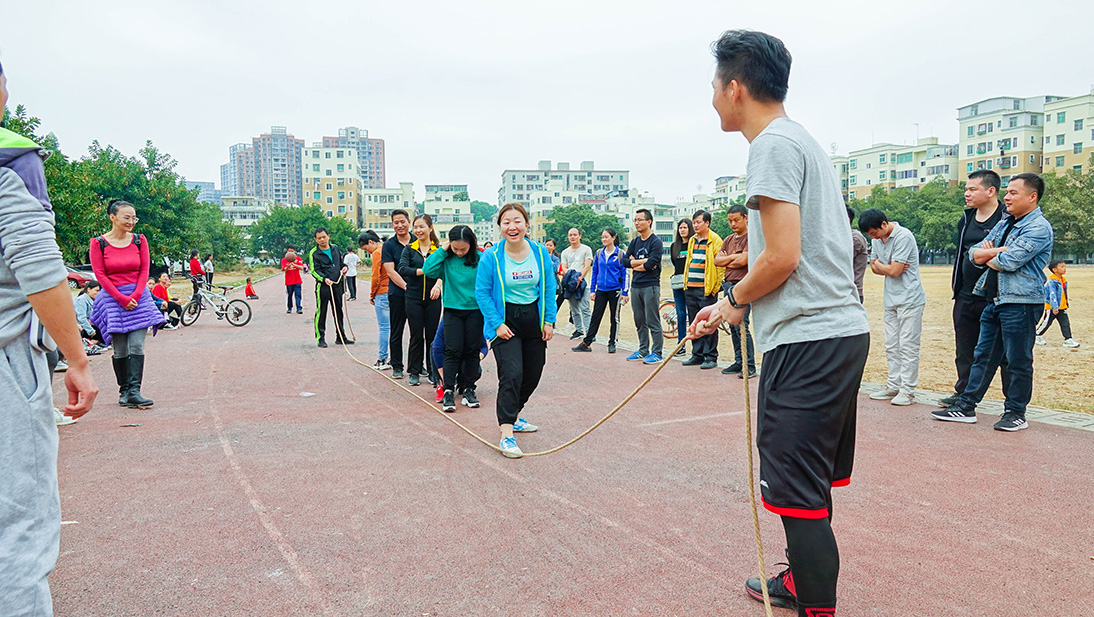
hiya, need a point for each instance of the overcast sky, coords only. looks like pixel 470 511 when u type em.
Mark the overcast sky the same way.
pixel 461 91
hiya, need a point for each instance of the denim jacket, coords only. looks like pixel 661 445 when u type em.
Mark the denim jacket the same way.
pixel 1022 265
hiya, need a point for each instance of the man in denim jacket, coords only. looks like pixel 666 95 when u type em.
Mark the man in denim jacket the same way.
pixel 1014 256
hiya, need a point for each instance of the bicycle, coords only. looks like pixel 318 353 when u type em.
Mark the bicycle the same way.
pixel 667 310
pixel 237 312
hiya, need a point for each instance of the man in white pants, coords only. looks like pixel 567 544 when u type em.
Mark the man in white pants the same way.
pixel 895 255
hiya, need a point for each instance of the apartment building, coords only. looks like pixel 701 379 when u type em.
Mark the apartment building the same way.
pixel 727 190
pixel 207 191
pixel 268 168
pixel 448 205
pixel 518 185
pixel 370 154
pixel 839 164
pixel 377 204
pixel 1004 134
pixel 900 166
pixel 330 179
pixel 1069 133
pixel 243 211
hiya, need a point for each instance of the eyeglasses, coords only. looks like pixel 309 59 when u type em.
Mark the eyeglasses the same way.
pixel 130 219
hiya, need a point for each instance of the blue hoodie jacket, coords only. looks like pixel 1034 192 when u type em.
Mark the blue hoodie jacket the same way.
pixel 609 273
pixel 490 288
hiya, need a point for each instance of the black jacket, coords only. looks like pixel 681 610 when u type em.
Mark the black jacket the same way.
pixel 962 250
pixel 323 267
pixel 417 285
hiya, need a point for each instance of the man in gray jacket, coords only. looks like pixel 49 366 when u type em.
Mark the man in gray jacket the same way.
pixel 34 301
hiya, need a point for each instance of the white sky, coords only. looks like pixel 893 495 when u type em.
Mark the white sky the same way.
pixel 461 91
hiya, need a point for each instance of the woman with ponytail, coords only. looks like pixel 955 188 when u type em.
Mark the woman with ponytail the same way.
pixel 423 299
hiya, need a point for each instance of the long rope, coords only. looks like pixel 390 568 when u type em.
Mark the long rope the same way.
pixel 751 478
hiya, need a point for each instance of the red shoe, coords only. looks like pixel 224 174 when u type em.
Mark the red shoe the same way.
pixel 440 393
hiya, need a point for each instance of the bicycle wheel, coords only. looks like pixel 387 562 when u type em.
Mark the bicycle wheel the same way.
pixel 238 312
pixel 668 318
pixel 191 312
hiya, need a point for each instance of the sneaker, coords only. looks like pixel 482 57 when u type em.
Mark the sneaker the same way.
pixel 440 395
pixel 949 400
pixel 581 347
pixel 449 400
pixel 509 447
pixel 693 361
pixel 732 369
pixel 953 413
pixel 415 379
pixel 611 347
pixel 635 356
pixel 1011 422
pixel 652 359
pixel 1041 341
pixel 902 400
pixel 682 352
pixel 523 426
pixel 576 335
pixel 299 311
pixel 883 395
pixel 343 342
pixel 396 374
pixel 322 343
pixel 61 367
pixel 1071 343
pixel 61 419
pixel 169 327
pixel 751 373
pixel 469 399
pixel 381 365
pixel 780 588
pixel 709 364
pixel 288 312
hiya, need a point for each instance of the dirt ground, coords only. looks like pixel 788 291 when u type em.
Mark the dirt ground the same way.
pixel 1063 378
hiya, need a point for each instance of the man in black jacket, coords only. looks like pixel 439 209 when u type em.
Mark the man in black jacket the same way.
pixel 982 211
pixel 325 263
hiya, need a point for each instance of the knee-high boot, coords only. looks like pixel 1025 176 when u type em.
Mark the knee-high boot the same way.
pixel 136 377
pixel 121 372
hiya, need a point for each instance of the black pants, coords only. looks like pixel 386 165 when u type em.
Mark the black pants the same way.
pixel 609 299
pixel 520 360
pixel 462 338
pixel 94 336
pixel 705 347
pixel 328 297
pixel 966 329
pixel 1049 317
pixel 423 316
pixel 351 286
pixel 396 306
pixel 173 307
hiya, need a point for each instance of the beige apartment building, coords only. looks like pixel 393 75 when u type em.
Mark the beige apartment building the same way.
pixel 1069 133
pixel 331 181
pixel 1004 134
pixel 377 204
pixel 840 163
pixel 900 166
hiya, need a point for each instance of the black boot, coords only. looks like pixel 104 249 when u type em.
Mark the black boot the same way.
pixel 136 376
pixel 121 372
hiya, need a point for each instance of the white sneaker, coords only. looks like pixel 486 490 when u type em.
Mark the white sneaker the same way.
pixel 61 419
pixel 884 395
pixel 61 367
pixel 1041 341
pixel 1071 343
pixel 902 400
pixel 509 448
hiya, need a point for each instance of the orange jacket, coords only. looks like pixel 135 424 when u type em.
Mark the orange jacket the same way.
pixel 379 275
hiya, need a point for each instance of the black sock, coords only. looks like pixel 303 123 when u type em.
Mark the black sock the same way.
pixel 814 563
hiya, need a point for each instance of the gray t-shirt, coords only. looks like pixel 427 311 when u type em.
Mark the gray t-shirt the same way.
pixel 819 301
pixel 861 252
pixel 906 289
pixel 575 259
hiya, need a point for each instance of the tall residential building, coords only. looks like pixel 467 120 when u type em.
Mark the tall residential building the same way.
pixel 370 154
pixel 330 180
pixel 727 190
pixel 1003 134
pixel 377 204
pixel 268 168
pixel 1069 133
pixel 518 185
pixel 207 191
pixel 900 166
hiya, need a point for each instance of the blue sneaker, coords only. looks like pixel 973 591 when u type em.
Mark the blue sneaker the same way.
pixel 509 447
pixel 635 356
pixel 523 426
pixel 652 359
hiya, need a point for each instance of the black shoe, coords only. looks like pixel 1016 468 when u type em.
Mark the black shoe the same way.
pixel 611 347
pixel 1010 422
pixel 576 335
pixel 693 361
pixel 396 373
pixel 288 311
pixel 709 364
pixel 953 413
pixel 779 589
pixel 121 373
pixel 949 400
pixel 469 399
pixel 682 352
pixel 299 311
pixel 581 347
pixel 732 369
pixel 449 403
pixel 343 342
pixel 414 379
pixel 322 343
pixel 751 373
pixel 136 378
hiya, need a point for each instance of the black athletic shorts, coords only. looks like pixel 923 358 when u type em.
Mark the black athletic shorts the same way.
pixel 806 429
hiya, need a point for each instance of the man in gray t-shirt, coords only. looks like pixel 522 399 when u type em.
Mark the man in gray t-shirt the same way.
pixel 895 256
pixel 578 257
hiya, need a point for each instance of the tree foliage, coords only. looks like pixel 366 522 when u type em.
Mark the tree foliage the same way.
pixel 288 226
pixel 483 211
pixel 586 220
pixel 931 213
pixel 1068 204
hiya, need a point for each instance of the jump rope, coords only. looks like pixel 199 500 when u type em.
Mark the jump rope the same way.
pixel 342 308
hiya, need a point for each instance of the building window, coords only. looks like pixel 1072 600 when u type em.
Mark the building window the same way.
pixel 881 159
pixel 970 149
pixel 1060 117
pixel 972 130
pixel 330 200
pixel 968 167
pixel 1059 140
pixel 316 196
pixel 327 154
pixel 329 186
pixel 1077 168
pixel 1078 125
pixel 881 175
pixel 315 167
pixel 852 194
pixel 341 209
pixel 339 154
pixel 341 181
pixel 853 180
pixel 315 154
pixel 854 163
pixel 1048 139
pixel 341 195
pixel 1013 121
pixel 341 167
pixel 867 166
pixel 1077 148
pixel 351 196
pixel 904 158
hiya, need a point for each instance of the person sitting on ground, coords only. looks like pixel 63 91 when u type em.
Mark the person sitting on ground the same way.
pixel 1056 304
pixel 83 303
pixel 249 290
pixel 170 306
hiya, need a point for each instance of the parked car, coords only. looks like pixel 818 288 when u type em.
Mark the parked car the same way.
pixel 78 278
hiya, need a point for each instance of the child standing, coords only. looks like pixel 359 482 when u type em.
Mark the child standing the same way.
pixel 1056 304
pixel 249 290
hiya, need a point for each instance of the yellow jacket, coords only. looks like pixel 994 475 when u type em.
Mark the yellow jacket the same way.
pixel 714 274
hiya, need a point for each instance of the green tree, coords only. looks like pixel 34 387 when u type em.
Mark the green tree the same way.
pixel 287 226
pixel 1068 203
pixel 483 211
pixel 460 196
pixel 586 220
pixel 930 213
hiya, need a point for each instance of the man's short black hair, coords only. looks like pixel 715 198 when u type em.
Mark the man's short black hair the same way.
pixel 1033 182
pixel 646 212
pixel 701 213
pixel 988 179
pixel 757 60
pixel 871 219
pixel 397 212
pixel 851 214
pixel 1055 262
pixel 738 209
pixel 319 229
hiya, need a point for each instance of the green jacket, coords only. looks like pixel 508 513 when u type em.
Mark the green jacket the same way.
pixel 458 277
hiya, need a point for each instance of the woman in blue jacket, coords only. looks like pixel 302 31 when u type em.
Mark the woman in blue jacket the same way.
pixel 515 289
pixel 607 285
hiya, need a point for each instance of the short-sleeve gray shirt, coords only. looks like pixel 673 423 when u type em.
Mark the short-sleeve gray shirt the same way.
pixel 575 259
pixel 906 289
pixel 819 301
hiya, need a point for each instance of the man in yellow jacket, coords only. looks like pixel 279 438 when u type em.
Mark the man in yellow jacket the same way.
pixel 704 280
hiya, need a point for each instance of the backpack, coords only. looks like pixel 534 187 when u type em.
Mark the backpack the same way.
pixel 102 243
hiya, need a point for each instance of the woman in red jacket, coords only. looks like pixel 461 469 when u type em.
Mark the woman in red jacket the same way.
pixel 125 312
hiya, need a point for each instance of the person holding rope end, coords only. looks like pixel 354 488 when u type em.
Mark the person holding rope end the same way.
pixel 515 290
pixel 457 265
pixel 325 263
pixel 810 326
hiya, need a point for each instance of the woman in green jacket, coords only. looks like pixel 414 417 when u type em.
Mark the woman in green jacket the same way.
pixel 456 264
